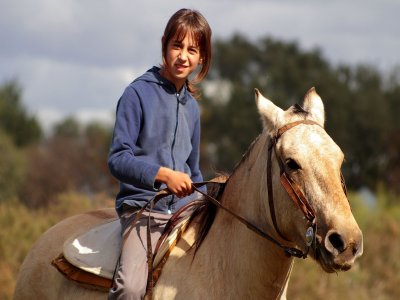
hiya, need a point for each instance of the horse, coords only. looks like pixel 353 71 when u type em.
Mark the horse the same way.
pixel 248 248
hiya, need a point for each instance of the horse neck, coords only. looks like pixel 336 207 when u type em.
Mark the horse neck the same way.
pixel 253 263
pixel 246 191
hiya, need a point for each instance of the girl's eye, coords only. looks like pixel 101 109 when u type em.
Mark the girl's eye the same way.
pixel 292 164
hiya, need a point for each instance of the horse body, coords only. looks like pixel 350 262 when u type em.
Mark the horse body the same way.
pixel 233 262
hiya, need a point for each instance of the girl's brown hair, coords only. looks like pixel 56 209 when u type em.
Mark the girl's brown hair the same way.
pixel 186 21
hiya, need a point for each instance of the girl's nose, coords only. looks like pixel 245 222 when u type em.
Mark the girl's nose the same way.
pixel 182 55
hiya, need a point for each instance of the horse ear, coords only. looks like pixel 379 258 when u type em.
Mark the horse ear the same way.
pixel 313 104
pixel 269 112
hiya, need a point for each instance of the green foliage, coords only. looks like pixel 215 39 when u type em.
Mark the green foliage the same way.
pixel 23 128
pixel 11 168
pixel 67 128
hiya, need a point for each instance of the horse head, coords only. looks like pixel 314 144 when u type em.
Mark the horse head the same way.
pixel 301 151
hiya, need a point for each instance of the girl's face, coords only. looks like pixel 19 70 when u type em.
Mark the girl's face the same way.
pixel 181 59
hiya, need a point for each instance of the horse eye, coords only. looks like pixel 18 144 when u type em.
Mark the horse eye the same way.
pixel 291 164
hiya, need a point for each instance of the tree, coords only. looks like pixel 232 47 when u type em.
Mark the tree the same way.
pixel 22 127
pixel 74 158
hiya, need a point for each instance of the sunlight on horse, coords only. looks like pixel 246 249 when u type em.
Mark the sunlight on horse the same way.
pixel 232 261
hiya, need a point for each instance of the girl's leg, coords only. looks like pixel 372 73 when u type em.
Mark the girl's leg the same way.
pixel 131 274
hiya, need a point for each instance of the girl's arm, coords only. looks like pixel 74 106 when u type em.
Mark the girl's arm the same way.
pixel 122 162
pixel 194 158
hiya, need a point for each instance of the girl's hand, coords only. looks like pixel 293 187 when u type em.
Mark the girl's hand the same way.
pixel 178 183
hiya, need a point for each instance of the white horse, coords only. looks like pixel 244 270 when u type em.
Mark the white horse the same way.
pixel 232 261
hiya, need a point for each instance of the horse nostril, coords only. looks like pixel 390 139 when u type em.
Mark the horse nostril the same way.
pixel 337 242
pixel 355 249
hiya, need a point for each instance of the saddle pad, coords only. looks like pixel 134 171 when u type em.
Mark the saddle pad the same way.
pixel 96 251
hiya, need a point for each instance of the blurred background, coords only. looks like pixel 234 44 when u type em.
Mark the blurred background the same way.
pixel 64 64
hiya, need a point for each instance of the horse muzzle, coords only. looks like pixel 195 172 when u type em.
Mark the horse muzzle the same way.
pixel 338 252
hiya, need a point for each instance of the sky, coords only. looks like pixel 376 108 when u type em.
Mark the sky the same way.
pixel 75 57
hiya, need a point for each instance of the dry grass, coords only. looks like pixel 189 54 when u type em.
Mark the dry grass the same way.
pixel 20 227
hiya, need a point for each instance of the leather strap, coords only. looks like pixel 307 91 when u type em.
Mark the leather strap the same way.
pixel 270 190
pixel 298 197
pixel 288 126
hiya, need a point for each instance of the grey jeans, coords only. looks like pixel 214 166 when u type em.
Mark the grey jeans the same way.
pixel 131 273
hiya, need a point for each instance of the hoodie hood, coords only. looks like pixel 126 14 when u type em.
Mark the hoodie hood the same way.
pixel 153 75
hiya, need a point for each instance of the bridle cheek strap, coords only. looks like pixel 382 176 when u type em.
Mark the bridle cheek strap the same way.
pixel 298 197
pixel 293 190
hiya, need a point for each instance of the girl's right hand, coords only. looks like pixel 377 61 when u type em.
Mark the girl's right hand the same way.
pixel 178 183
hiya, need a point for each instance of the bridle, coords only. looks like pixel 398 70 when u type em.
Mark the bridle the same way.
pixel 295 193
pixel 293 190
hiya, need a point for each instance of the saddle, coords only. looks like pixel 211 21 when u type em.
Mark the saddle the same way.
pixel 91 257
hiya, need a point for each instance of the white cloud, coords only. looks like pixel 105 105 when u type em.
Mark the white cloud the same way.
pixel 86 116
pixel 48 118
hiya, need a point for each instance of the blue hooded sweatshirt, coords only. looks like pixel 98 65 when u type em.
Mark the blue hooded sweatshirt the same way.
pixel 155 126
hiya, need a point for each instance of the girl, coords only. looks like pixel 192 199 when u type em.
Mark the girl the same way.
pixel 156 142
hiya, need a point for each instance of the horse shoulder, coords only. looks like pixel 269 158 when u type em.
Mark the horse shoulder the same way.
pixel 179 259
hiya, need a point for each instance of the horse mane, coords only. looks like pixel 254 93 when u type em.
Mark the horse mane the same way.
pixel 206 211
pixel 299 110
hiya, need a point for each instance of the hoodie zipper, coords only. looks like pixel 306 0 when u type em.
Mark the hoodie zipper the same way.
pixel 172 149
